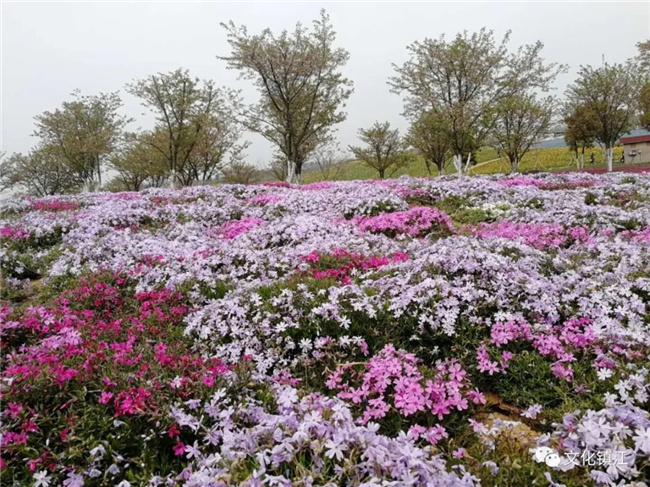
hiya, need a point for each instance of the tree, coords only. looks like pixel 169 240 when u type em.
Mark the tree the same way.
pixel 643 57
pixel 239 172
pixel 384 149
pixel 462 81
pixel 520 122
pixel 83 133
pixel 301 87
pixel 330 162
pixel 611 92
pixel 644 106
pixel 217 144
pixel 191 114
pixel 582 125
pixel 643 60
pixel 429 135
pixel 140 163
pixel 42 172
pixel 279 167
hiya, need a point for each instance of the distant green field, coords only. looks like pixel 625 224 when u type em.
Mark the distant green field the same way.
pixel 487 163
pixel 356 170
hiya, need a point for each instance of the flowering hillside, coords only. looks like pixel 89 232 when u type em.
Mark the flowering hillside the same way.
pixel 425 332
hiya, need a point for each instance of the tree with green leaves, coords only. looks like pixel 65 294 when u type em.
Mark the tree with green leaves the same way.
pixel 189 114
pixel 42 172
pixel 139 163
pixel 84 133
pixel 302 90
pixel 644 106
pixel 611 92
pixel 643 56
pixel 216 147
pixel 582 125
pixel 643 60
pixel 429 135
pixel 384 149
pixel 521 121
pixel 463 80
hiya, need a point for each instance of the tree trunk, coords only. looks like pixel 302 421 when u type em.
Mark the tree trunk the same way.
pixel 582 159
pixel 172 179
pixel 514 165
pixel 469 159
pixel 298 174
pixel 291 172
pixel 609 157
pixel 458 164
pixel 381 173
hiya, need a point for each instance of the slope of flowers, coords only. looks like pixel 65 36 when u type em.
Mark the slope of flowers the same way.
pixel 408 332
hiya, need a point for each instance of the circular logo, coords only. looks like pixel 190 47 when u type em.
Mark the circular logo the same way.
pixel 547 455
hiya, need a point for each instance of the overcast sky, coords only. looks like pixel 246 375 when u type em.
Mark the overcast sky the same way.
pixel 50 49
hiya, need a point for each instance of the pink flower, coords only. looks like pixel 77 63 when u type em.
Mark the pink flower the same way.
pixel 104 397
pixel 14 409
pixel 179 449
pixel 460 453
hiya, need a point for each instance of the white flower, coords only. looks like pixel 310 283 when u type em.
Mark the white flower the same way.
pixel 642 440
pixel 532 411
pixel 74 480
pixel 335 450
pixel 604 374
pixel 287 397
pixel 193 450
pixel 98 451
pixel 41 479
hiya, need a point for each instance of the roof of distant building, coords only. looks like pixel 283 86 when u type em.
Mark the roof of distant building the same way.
pixel 635 139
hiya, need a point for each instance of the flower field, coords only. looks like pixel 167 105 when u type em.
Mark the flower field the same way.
pixel 414 332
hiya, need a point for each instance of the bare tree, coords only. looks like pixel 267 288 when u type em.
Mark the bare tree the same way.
pixel 302 90
pixel 279 167
pixel 330 162
pixel 240 173
pixel 384 149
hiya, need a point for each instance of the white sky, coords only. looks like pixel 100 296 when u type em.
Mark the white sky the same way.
pixel 50 49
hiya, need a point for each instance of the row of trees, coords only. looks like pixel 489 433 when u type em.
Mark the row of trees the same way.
pixel 471 91
pixel 195 139
pixel 459 95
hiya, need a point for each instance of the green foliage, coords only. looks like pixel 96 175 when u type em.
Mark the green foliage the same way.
pixel 429 135
pixel 463 80
pixel 470 216
pixel 302 91
pixel 608 94
pixel 195 130
pixel 521 120
pixel 84 133
pixel 384 149
pixel 42 172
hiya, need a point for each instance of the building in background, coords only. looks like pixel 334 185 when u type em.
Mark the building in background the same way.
pixel 636 149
